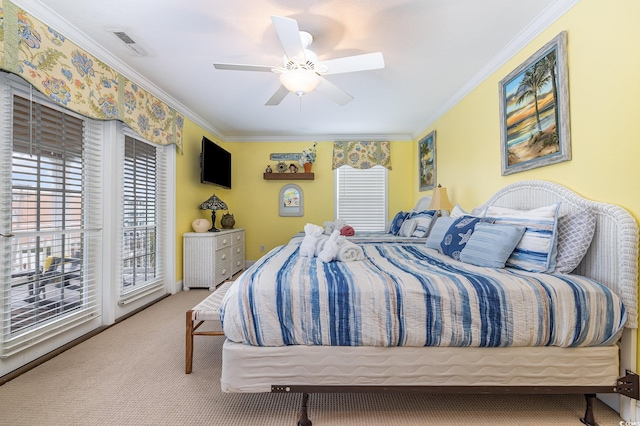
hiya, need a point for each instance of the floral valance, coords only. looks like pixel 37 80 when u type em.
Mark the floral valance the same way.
pixel 361 154
pixel 72 77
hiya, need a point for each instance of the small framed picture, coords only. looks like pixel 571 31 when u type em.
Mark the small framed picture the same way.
pixel 427 162
pixel 291 200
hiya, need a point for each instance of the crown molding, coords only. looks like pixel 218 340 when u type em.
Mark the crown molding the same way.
pixel 49 17
pixel 313 138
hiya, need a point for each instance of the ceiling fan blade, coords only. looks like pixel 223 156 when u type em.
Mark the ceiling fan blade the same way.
pixel 333 92
pixel 238 67
pixel 368 61
pixel 289 35
pixel 278 96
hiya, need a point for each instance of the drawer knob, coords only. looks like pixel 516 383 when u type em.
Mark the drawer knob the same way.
pixel 224 256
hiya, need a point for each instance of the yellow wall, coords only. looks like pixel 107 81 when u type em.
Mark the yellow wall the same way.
pixel 254 201
pixel 604 90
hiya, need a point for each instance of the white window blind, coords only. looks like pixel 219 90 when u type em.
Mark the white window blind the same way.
pixel 361 197
pixel 142 218
pixel 52 171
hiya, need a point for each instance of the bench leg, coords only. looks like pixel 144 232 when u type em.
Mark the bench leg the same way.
pixel 188 357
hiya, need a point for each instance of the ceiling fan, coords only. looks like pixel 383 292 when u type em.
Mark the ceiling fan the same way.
pixel 301 71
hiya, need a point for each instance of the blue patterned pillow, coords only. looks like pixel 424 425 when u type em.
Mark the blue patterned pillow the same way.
pixel 437 232
pixel 424 220
pixel 396 223
pixel 491 244
pixel 537 250
pixel 457 235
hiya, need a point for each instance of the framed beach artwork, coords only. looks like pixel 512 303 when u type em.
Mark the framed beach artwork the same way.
pixel 291 201
pixel 427 162
pixel 534 110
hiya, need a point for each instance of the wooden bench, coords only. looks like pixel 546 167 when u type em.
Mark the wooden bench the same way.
pixel 207 310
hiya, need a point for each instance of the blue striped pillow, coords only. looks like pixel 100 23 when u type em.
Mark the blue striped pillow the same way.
pixel 424 220
pixel 491 245
pixel 537 250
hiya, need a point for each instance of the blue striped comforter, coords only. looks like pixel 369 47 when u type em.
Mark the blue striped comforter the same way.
pixel 408 295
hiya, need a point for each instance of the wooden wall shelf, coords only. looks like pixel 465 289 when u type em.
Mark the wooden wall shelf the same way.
pixel 288 176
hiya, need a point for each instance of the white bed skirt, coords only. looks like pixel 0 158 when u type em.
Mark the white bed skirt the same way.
pixel 255 369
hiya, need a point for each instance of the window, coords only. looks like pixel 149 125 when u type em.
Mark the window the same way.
pixel 70 264
pixel 54 221
pixel 140 215
pixel 361 197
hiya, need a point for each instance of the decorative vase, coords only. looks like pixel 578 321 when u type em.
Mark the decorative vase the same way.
pixel 201 225
pixel 227 221
pixel 307 167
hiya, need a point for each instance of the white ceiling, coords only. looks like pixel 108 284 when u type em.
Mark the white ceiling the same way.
pixel 435 52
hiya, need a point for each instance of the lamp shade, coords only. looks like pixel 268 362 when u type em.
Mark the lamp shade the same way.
pixel 440 200
pixel 214 203
pixel 299 80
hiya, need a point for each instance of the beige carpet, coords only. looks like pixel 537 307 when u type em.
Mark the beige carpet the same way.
pixel 133 374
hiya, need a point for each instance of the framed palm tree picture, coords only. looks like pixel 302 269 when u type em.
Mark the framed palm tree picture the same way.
pixel 534 110
pixel 427 162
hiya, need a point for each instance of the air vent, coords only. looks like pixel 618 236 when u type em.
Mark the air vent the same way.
pixel 129 42
pixel 124 37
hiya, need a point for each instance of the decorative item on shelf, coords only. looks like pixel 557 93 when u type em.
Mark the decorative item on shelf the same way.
pixel 200 225
pixel 227 221
pixel 281 167
pixel 308 157
pixel 440 200
pixel 268 169
pixel 213 203
pixel 293 168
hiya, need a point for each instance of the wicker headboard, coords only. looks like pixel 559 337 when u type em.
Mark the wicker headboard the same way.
pixel 612 258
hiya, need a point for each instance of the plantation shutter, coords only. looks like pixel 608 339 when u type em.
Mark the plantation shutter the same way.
pixel 143 221
pixel 51 223
pixel 361 197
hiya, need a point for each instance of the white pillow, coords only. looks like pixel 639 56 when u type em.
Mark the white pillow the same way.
pixel 536 251
pixel 457 212
pixel 407 228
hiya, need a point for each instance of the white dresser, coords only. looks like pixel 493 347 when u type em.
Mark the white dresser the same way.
pixel 212 257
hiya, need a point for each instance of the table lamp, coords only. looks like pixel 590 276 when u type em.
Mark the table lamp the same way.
pixel 213 203
pixel 440 200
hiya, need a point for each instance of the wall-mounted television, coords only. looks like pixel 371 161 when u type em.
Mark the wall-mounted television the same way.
pixel 215 164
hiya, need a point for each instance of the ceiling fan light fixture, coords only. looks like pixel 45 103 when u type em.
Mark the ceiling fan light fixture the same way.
pixel 299 81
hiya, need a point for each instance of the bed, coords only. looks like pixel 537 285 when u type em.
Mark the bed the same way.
pixel 412 236
pixel 398 355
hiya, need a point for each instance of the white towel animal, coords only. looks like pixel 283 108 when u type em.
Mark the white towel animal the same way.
pixel 330 249
pixel 320 244
pixel 308 244
pixel 349 252
pixel 328 227
pixel 339 224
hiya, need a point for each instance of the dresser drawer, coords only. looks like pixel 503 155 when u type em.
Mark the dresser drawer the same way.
pixel 223 241
pixel 223 255
pixel 238 237
pixel 223 271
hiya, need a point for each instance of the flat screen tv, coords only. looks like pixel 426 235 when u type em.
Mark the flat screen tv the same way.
pixel 215 164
